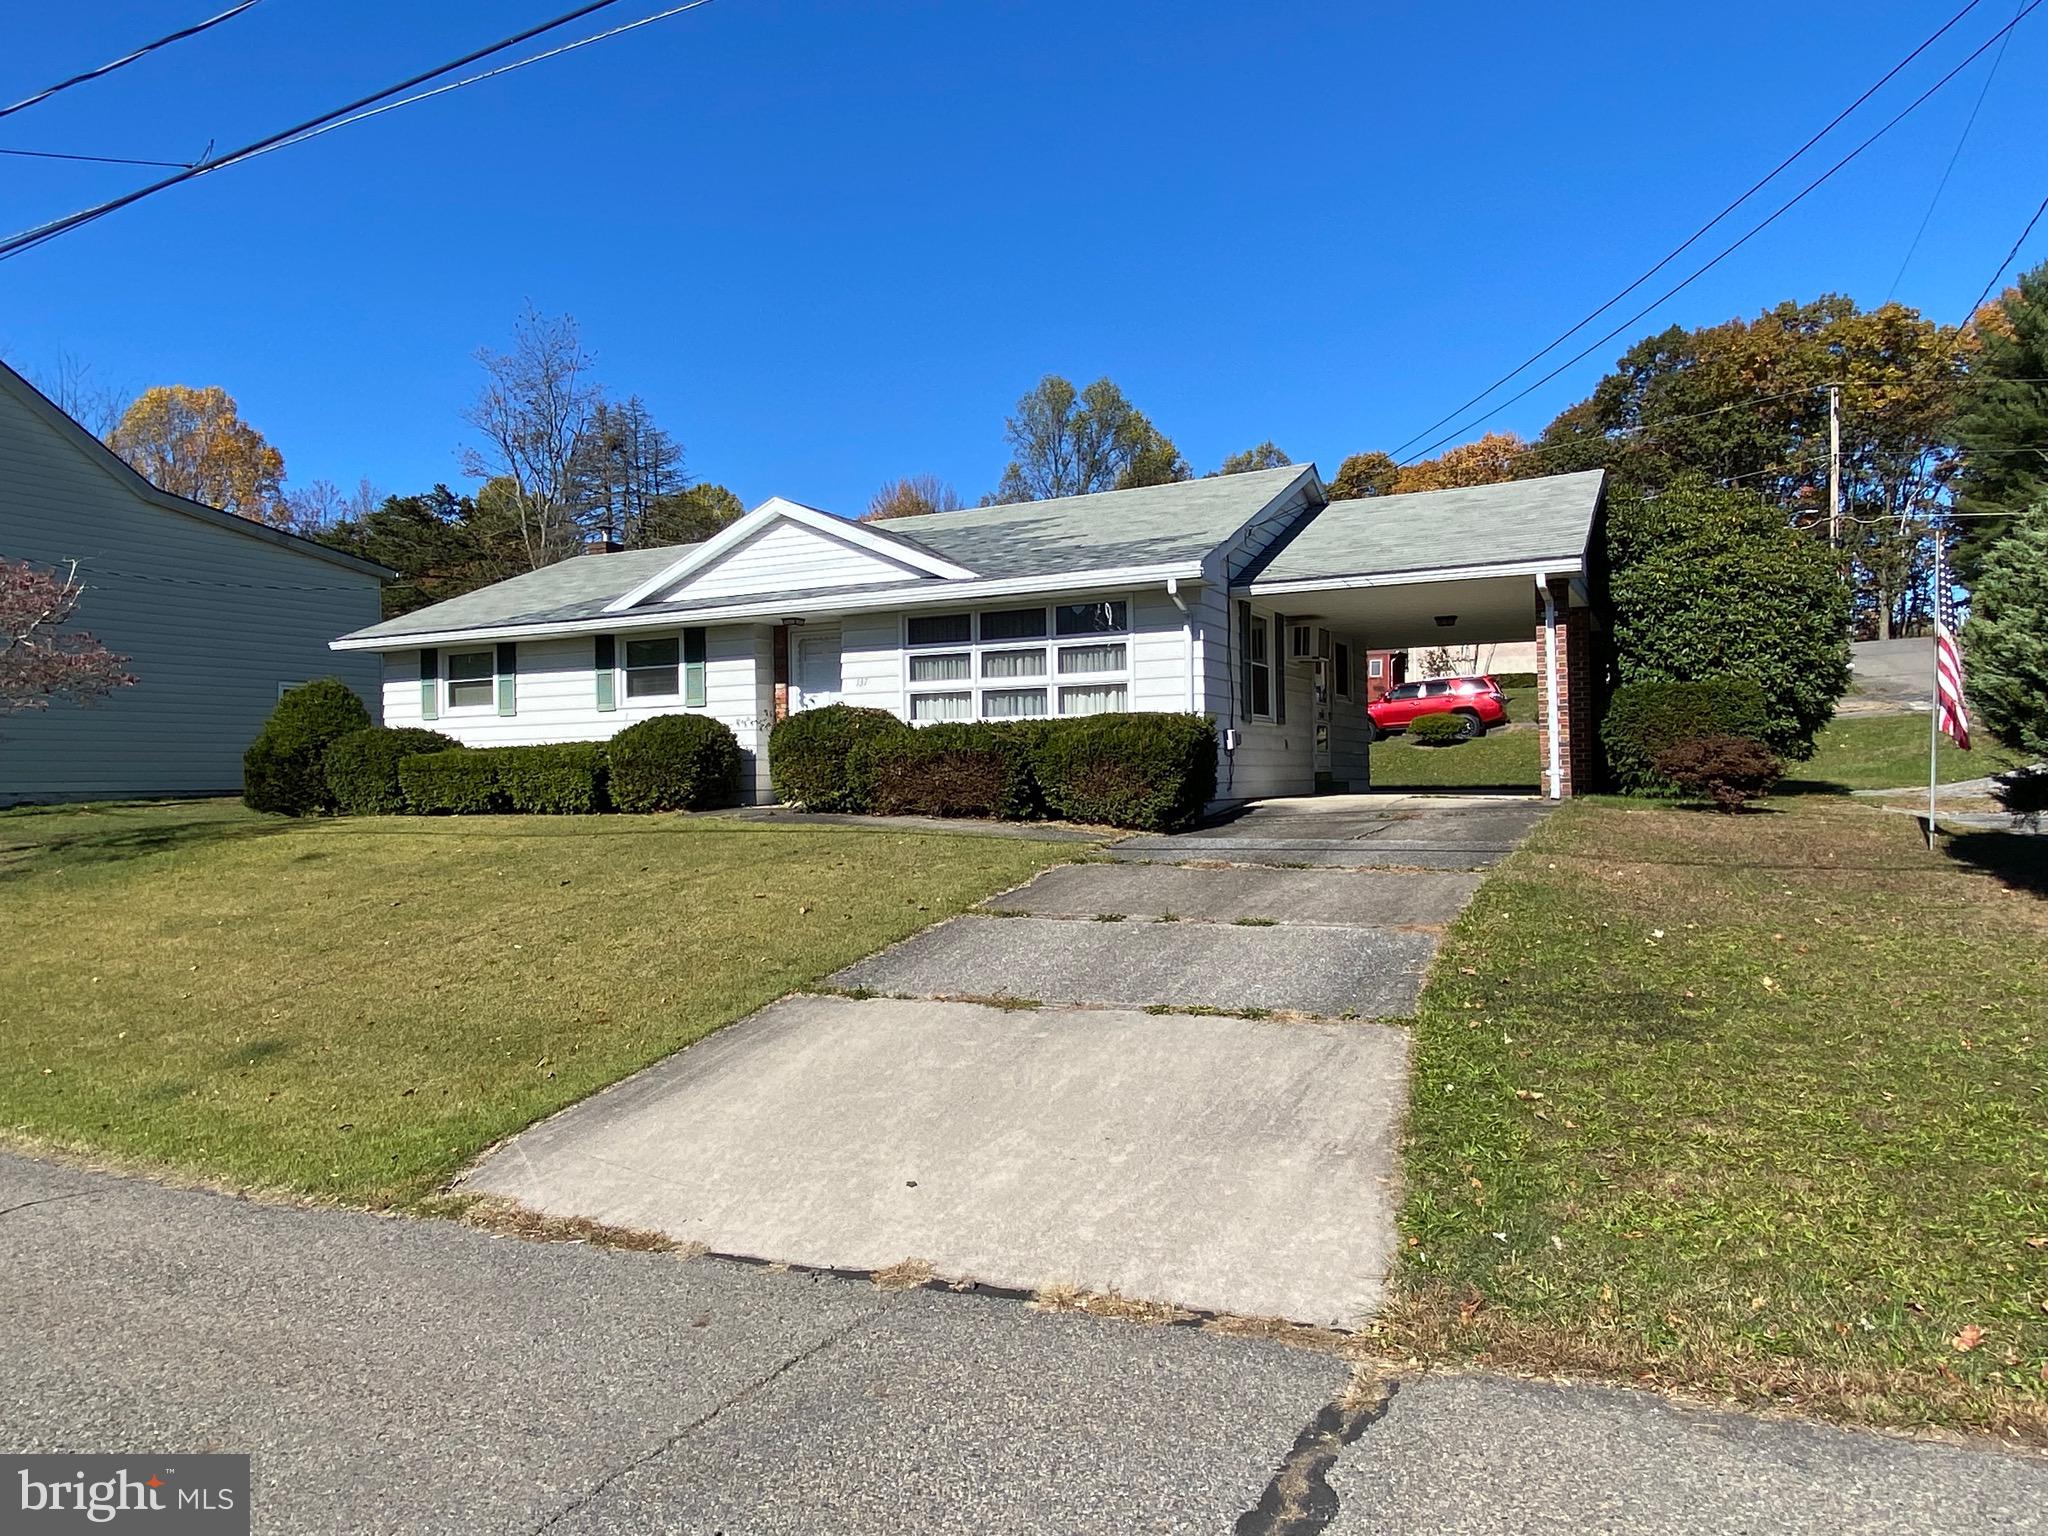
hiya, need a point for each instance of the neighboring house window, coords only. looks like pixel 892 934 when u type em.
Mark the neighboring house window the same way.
pixel 1375 666
pixel 1342 663
pixel 1254 641
pixel 654 668
pixel 285 688
pixel 472 679
pixel 1018 663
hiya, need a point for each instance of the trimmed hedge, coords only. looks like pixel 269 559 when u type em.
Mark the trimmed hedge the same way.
pixel 283 769
pixel 944 770
pixel 674 763
pixel 1445 730
pixel 1647 718
pixel 458 783
pixel 1146 771
pixel 362 767
pixel 808 754
pixel 1511 680
pixel 566 778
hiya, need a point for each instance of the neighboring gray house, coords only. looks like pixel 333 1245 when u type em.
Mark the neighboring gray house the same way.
pixel 216 614
pixel 1252 599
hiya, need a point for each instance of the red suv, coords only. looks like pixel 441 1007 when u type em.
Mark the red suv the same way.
pixel 1477 699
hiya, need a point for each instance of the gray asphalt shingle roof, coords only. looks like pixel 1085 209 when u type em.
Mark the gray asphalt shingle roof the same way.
pixel 1151 525
pixel 1511 523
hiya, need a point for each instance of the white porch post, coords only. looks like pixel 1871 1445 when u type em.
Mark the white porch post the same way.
pixel 1553 769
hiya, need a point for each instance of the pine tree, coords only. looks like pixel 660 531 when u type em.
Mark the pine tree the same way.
pixel 2005 644
pixel 2003 423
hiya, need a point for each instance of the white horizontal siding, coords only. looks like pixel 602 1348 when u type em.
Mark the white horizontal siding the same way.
pixel 871 660
pixel 211 619
pixel 786 557
pixel 555 697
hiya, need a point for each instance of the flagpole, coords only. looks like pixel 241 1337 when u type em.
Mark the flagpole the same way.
pixel 1934 696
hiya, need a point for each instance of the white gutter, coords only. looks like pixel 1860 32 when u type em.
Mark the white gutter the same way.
pixel 1554 770
pixel 846 600
pixel 1262 588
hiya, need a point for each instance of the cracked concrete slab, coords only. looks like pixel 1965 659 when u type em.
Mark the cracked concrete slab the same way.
pixel 1372 973
pixel 1474 1455
pixel 1224 1164
pixel 391 1375
pixel 1360 897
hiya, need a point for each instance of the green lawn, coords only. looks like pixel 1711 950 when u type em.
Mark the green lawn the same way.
pixel 1501 759
pixel 1887 752
pixel 1756 1106
pixel 355 1008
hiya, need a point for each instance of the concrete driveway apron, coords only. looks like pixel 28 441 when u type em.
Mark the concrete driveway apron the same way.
pixel 1167 1075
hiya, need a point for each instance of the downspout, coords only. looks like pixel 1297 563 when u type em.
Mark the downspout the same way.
pixel 1187 636
pixel 1554 769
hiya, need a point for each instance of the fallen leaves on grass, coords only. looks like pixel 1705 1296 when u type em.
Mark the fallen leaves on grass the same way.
pixel 1968 1339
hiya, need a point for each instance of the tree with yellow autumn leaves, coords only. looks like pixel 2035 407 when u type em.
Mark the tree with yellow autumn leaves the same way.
pixel 194 443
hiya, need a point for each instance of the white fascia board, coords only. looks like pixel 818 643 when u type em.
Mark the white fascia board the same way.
pixel 1536 568
pixel 841 600
pixel 777 509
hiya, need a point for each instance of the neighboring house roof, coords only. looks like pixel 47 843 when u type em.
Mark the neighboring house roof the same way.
pixel 51 414
pixel 1171 526
pixel 1516 523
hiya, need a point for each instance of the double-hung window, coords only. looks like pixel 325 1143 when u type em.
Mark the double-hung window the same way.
pixel 654 668
pixel 1019 663
pixel 1255 655
pixel 472 680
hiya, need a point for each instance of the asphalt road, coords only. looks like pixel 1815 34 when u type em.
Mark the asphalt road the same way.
pixel 400 1376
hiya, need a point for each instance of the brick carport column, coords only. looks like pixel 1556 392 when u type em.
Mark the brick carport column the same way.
pixel 1564 647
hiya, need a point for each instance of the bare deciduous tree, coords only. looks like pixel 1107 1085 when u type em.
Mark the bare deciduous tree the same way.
pixel 73 389
pixel 534 411
pixel 912 496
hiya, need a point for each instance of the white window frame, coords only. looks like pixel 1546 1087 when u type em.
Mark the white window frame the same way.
pixel 1301 642
pixel 1262 626
pixel 1375 666
pixel 285 688
pixel 1051 645
pixel 449 680
pixel 624 689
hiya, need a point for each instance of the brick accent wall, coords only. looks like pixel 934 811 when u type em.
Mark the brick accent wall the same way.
pixel 781 672
pixel 1578 730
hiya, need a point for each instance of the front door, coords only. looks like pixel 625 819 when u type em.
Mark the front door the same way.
pixel 817 672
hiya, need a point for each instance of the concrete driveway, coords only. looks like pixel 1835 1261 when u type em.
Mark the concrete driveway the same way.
pixel 1048 1094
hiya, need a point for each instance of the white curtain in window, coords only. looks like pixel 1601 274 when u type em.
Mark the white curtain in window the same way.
pixel 1091 658
pixel 939 669
pixel 1013 703
pixel 1013 663
pixel 1099 700
pixel 942 706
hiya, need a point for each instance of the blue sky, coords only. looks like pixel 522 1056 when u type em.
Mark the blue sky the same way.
pixel 832 243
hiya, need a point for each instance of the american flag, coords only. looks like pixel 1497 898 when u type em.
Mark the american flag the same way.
pixel 1949 713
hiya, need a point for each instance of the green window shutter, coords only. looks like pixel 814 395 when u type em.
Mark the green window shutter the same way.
pixel 508 677
pixel 693 669
pixel 430 684
pixel 607 672
pixel 1283 648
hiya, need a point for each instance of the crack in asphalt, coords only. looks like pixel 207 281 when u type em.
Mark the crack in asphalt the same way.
pixel 1299 1500
pixel 590 1495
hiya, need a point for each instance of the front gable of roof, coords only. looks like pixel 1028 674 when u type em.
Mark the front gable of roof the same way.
pixel 783 545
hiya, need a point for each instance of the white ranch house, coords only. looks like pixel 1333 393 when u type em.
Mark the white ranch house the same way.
pixel 1250 598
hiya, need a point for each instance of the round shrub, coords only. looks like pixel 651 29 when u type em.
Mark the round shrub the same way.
pixel 1646 718
pixel 1728 770
pixel 1444 730
pixel 808 754
pixel 1153 772
pixel 362 767
pixel 283 768
pixel 674 763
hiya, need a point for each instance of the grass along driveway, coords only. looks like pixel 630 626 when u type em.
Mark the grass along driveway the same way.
pixel 354 1008
pixel 1751 1105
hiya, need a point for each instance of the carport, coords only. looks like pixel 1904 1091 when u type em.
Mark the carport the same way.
pixel 1476 565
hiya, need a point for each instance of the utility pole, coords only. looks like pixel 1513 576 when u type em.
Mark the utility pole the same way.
pixel 1834 466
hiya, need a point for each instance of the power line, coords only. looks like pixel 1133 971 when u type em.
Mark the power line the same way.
pixel 2009 255
pixel 1750 234
pixel 1949 170
pixel 51 154
pixel 1694 238
pixel 15 244
pixel 129 58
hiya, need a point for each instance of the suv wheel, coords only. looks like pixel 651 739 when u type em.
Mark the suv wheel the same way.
pixel 1473 725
